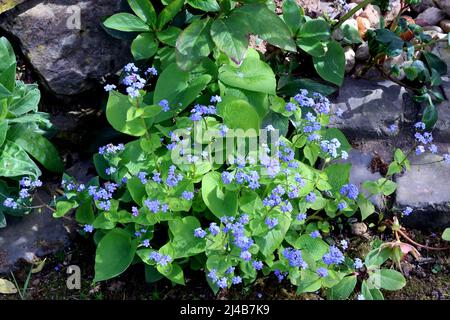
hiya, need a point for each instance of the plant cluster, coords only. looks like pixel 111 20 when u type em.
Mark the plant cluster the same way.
pixel 22 134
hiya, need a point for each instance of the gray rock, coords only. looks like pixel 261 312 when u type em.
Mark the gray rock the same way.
pixel 444 5
pixel 441 132
pixel 65 43
pixel 310 6
pixel 430 17
pixel 35 235
pixel 349 59
pixel 422 6
pixel 445 25
pixel 426 189
pixel 369 107
pixel 362 53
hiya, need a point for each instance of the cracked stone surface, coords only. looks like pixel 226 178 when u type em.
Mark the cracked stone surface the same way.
pixel 35 235
pixel 426 189
pixel 370 107
pixel 65 43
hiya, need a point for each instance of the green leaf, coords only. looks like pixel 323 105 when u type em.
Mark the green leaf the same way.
pixel 316 247
pixel 430 116
pixel 377 257
pixel 126 22
pixel 331 66
pixel 194 44
pixel 85 213
pixel 387 279
pixel 221 202
pixel 293 15
pixel 169 36
pixel 434 62
pixel 272 240
pixel 172 272
pixel 269 26
pixel 144 46
pixel 3 131
pixel 7 65
pixel 115 252
pixel 14 162
pixel 446 234
pixel 227 34
pixel 290 87
pixel 144 10
pixel 250 202
pixel 38 147
pixel 365 206
pixel 253 74
pixel 317 28
pixel 338 174
pixel 239 114
pixel 370 293
pixel 205 5
pixel 62 207
pixel 116 113
pixel 177 87
pixel 343 289
pixel 169 12
pixel 184 243
pixel 26 100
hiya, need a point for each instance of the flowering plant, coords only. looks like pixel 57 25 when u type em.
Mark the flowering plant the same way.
pixel 221 189
pixel 22 130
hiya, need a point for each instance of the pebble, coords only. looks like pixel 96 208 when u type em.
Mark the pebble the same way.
pixel 362 53
pixel 445 25
pixel 349 59
pixel 430 17
pixel 359 228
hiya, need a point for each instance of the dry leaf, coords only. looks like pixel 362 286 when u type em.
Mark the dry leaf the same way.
pixel 7 287
pixel 39 266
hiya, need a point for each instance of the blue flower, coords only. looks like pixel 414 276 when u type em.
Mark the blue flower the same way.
pixel 301 217
pixel 222 283
pixel 290 107
pixel 236 280
pixel 187 195
pixel 350 190
pixel 342 205
pixel 257 265
pixel 88 228
pixel 322 272
pixel 146 243
pixel 214 228
pixel 162 260
pixel 407 211
pixel 165 105
pixel 344 244
pixel 311 197
pixel 295 258
pixel 213 275
pixel 110 87
pixel 315 234
pixel 280 275
pixel 358 264
pixel 246 255
pixel 152 205
pixel 227 177
pixel 334 255
pixel 420 150
pixel 199 233
pixel 271 222
pixel 134 211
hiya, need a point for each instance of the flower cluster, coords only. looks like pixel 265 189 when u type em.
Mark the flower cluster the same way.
pixel 27 185
pixel 133 80
pixel 350 191
pixel 294 258
pixel 160 259
pixel 334 256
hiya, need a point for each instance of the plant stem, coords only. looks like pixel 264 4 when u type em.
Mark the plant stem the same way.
pixel 349 14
